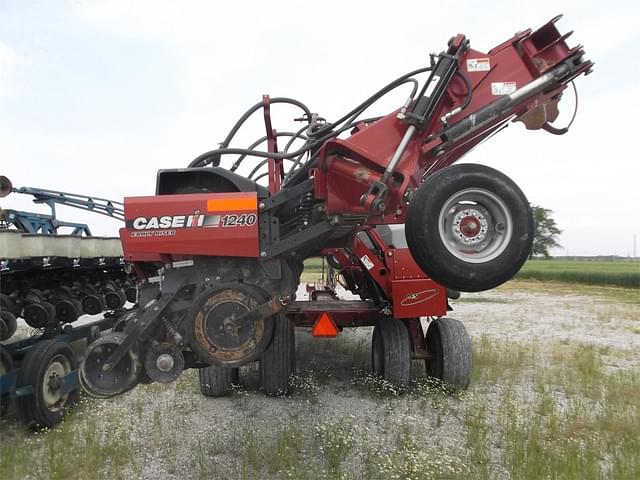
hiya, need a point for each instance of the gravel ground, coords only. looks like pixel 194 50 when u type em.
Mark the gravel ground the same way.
pixel 171 431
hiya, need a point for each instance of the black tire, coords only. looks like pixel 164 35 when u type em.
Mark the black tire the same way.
pixel 114 299
pixel 8 325
pixel 218 381
pixel 391 352
pixel 7 303
pixel 48 360
pixel 68 310
pixel 93 304
pixel 6 365
pixel 278 361
pixel 469 227
pixel 450 347
pixel 39 315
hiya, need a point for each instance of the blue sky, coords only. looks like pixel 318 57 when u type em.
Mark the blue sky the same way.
pixel 96 96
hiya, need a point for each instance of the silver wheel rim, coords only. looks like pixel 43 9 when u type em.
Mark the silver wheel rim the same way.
pixel 52 395
pixel 475 225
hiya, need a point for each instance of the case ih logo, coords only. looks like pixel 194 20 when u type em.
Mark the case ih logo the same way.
pixel 175 221
pixel 197 220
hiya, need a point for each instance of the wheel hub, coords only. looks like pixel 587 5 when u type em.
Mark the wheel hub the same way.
pixel 164 363
pixel 52 382
pixel 475 225
pixel 470 226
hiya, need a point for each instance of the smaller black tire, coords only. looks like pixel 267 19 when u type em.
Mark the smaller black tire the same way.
pixel 450 347
pixel 6 365
pixel 114 299
pixel 8 325
pixel 93 304
pixel 43 368
pixel 68 310
pixel 7 304
pixel 218 381
pixel 278 361
pixel 391 352
pixel 39 315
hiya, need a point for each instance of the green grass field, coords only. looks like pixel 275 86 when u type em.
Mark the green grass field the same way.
pixel 618 273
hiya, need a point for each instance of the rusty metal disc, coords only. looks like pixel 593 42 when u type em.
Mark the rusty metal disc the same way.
pixel 219 332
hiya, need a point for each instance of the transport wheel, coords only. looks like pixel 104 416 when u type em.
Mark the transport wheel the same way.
pixel 218 381
pixel 278 360
pixel 450 347
pixel 122 377
pixel 39 315
pixel 8 325
pixel 44 369
pixel 6 365
pixel 469 227
pixel 391 352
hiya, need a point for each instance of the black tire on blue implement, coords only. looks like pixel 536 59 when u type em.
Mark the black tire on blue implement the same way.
pixel 43 368
pixel 6 365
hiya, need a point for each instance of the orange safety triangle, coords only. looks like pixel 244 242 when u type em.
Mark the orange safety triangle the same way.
pixel 324 326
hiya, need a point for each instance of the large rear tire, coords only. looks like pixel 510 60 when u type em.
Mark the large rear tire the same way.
pixel 469 227
pixel 278 360
pixel 391 352
pixel 450 347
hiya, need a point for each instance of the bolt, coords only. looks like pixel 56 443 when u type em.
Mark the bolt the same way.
pixel 261 206
pixel 165 362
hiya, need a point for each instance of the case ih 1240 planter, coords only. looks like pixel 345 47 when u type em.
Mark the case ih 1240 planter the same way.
pixel 219 256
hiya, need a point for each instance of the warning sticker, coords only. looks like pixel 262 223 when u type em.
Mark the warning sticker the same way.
pixel 503 88
pixel 366 261
pixel 478 65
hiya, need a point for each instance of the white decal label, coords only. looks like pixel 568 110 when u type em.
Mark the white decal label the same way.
pixel 503 88
pixel 432 86
pixel 478 65
pixel 366 261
